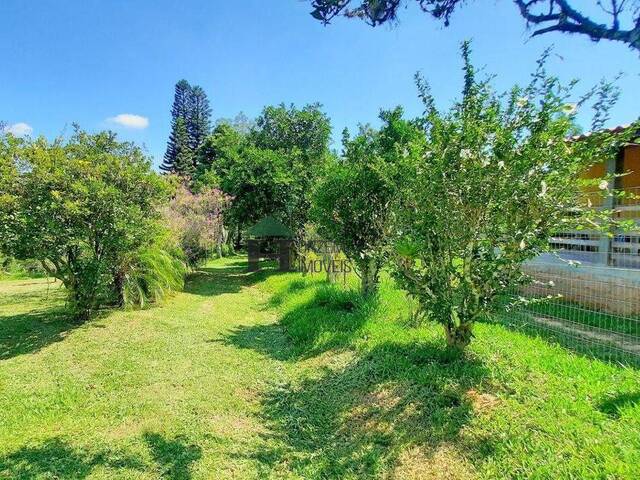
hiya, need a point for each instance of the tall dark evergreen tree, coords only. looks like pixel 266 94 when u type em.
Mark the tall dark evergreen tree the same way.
pixel 199 117
pixel 190 125
pixel 184 163
pixel 180 109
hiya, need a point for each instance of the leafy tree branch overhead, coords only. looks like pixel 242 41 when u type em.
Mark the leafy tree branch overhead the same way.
pixel 617 20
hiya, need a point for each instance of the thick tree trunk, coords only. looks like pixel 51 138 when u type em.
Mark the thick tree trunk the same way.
pixel 222 238
pixel 81 306
pixel 229 240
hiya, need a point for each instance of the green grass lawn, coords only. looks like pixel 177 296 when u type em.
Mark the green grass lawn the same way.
pixel 270 375
pixel 573 312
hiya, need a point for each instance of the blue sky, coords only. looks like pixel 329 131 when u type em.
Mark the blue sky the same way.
pixel 88 61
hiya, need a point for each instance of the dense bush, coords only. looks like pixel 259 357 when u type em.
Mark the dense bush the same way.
pixel 151 273
pixel 268 168
pixel 490 182
pixel 82 208
pixel 351 205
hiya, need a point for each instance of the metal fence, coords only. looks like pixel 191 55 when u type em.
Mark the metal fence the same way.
pixel 586 295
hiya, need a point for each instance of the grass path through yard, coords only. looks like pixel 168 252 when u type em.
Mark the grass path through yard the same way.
pixel 266 375
pixel 142 394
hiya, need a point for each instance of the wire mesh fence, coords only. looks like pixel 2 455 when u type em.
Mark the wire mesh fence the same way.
pixel 586 295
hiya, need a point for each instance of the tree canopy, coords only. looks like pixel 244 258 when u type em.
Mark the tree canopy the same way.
pixel 351 203
pixel 269 169
pixel 84 208
pixel 618 20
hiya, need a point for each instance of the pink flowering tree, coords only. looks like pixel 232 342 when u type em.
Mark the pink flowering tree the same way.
pixel 198 221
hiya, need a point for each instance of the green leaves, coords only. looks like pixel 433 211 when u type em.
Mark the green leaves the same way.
pixel 80 207
pixel 271 169
pixel 352 204
pixel 489 182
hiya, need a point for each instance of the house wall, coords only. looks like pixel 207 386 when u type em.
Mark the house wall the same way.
pixel 608 276
pixel 631 165
pixel 596 171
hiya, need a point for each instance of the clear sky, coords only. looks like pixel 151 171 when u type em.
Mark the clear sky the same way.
pixel 88 61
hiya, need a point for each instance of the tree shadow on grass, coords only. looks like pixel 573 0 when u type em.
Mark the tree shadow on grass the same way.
pixel 294 286
pixel 230 278
pixel 29 332
pixel 42 318
pixel 48 321
pixel 36 318
pixel 56 458
pixel 358 420
pixel 174 456
pixel 614 406
pixel 329 319
pixel 269 340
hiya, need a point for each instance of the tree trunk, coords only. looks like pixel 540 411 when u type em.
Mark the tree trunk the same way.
pixel 222 238
pixel 369 278
pixel 328 265
pixel 458 335
pixel 118 283
pixel 80 306
pixel 229 240
pixel 238 239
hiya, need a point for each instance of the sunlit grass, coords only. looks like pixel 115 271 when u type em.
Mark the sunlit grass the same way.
pixel 270 375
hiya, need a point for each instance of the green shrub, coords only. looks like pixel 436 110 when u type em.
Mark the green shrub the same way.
pixel 196 220
pixel 351 204
pixel 339 299
pixel 12 268
pixel 492 179
pixel 80 207
pixel 227 250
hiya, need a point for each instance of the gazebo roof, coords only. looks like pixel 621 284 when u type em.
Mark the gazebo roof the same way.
pixel 269 227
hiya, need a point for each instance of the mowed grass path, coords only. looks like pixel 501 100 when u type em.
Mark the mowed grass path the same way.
pixel 157 393
pixel 270 375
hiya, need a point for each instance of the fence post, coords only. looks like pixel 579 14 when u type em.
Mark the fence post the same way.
pixel 604 245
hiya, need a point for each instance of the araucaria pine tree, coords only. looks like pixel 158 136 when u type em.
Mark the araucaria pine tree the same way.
pixel 199 118
pixel 183 163
pixel 179 110
pixel 190 124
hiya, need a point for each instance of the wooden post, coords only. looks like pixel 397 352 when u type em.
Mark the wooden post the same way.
pixel 253 250
pixel 284 255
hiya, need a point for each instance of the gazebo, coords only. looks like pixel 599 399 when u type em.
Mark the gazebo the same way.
pixel 269 229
